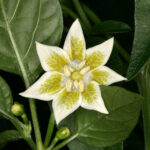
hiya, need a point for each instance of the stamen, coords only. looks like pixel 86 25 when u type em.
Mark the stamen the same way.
pixel 71 69
pixel 68 85
pixel 67 71
pixel 76 84
pixel 81 86
pixel 85 70
pixel 81 65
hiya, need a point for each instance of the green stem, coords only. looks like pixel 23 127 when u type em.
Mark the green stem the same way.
pixel 81 13
pixel 49 130
pixel 31 143
pixel 122 52
pixel 69 11
pixel 55 140
pixel 143 81
pixel 36 127
pixel 25 118
pixel 25 77
pixel 91 14
pixel 65 142
pixel 93 17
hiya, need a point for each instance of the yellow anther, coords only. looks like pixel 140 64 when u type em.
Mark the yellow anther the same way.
pixel 67 71
pixel 76 84
pixel 71 69
pixel 68 85
pixel 85 70
pixel 81 86
pixel 81 65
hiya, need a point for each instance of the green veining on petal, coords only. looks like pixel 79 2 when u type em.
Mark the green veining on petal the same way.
pixel 89 94
pixel 52 85
pixel 94 59
pixel 77 48
pixel 56 61
pixel 68 99
pixel 100 76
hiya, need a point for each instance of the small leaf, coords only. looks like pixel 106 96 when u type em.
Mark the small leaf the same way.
pixel 8 136
pixel 6 103
pixel 99 130
pixel 110 27
pixel 5 96
pixel 141 45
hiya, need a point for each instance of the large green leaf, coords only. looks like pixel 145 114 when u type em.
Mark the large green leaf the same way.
pixel 81 146
pixel 29 21
pixel 141 46
pixel 101 130
pixel 8 136
pixel 5 96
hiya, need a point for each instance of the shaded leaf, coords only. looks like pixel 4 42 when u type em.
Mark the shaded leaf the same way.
pixel 5 96
pixel 141 46
pixel 8 136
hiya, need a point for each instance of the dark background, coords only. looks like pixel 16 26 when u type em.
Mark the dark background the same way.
pixel 120 10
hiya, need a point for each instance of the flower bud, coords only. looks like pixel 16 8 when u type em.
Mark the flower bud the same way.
pixel 62 133
pixel 17 109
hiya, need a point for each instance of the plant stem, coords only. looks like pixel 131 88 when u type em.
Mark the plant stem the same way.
pixel 91 14
pixel 62 144
pixel 97 20
pixel 36 125
pixel 81 13
pixel 49 130
pixel 54 141
pixel 31 143
pixel 25 77
pixel 143 81
pixel 69 11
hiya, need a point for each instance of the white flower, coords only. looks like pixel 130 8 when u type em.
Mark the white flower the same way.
pixel 73 74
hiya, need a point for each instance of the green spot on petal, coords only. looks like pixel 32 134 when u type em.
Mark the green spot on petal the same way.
pixel 56 61
pixel 100 76
pixel 51 85
pixel 89 94
pixel 94 59
pixel 77 48
pixel 68 99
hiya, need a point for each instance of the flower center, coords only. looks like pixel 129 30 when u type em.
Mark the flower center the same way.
pixel 76 75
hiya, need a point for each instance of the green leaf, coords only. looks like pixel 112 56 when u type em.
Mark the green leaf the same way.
pixel 141 45
pixel 5 96
pixel 29 21
pixel 110 27
pixel 8 136
pixel 81 146
pixel 100 130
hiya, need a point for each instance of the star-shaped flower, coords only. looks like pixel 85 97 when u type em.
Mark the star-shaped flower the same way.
pixel 73 74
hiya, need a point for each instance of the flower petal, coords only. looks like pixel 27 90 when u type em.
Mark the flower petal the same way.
pixel 52 58
pixel 105 76
pixel 92 99
pixel 46 87
pixel 75 42
pixel 99 55
pixel 65 104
